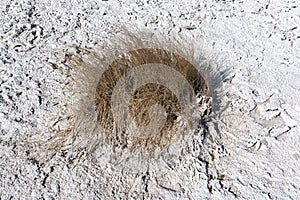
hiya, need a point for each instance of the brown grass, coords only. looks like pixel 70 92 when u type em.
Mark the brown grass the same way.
pixel 144 97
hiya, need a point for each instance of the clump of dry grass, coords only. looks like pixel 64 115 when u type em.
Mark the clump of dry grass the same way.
pixel 95 72
pixel 144 98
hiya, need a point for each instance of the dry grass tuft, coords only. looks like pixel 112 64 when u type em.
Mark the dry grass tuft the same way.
pixel 144 98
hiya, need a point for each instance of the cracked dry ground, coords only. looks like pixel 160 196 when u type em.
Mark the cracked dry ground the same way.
pixel 250 149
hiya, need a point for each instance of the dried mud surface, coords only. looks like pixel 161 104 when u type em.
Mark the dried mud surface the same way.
pixel 250 149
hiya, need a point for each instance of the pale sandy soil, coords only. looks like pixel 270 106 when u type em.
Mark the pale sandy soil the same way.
pixel 252 147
